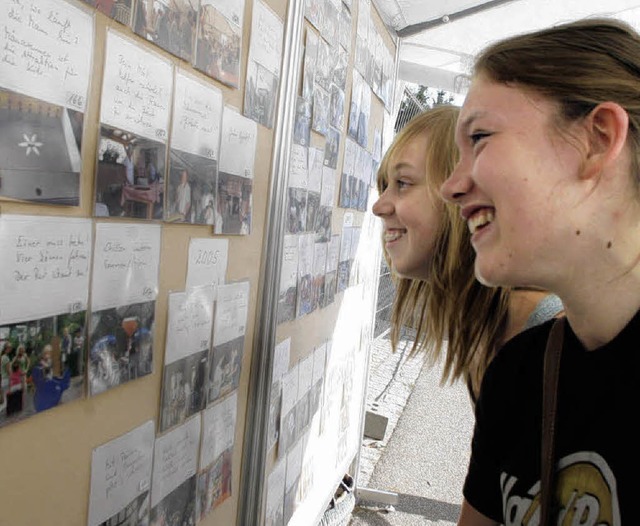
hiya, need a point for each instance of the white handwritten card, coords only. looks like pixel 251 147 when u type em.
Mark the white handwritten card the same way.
pixel 190 319
pixel 237 144
pixel 47 49
pixel 43 258
pixel 290 382
pixel 288 279
pixel 207 261
pixel 267 31
pixel 120 471
pixel 197 117
pixel 175 458
pixel 218 429
pixel 136 89
pixel 232 307
pixel 328 193
pixel 298 166
pixel 125 265
pixel 305 375
pixel 281 357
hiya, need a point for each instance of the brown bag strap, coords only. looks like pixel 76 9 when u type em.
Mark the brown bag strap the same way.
pixel 551 374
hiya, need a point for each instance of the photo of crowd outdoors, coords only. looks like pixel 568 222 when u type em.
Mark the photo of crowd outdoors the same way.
pixel 218 44
pixel 121 345
pixel 129 175
pixel 169 25
pixel 42 364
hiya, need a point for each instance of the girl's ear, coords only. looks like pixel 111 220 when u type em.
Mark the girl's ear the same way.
pixel 607 126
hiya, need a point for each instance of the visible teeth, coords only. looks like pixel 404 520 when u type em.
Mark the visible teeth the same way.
pixel 392 235
pixel 479 219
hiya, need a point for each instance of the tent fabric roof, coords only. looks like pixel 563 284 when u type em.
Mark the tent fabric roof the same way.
pixel 439 38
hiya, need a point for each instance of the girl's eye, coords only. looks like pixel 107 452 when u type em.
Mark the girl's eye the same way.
pixel 476 137
pixel 402 184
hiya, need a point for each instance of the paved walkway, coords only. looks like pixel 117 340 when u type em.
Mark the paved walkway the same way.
pixel 425 451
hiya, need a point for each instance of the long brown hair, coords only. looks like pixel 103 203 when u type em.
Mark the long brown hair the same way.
pixel 450 310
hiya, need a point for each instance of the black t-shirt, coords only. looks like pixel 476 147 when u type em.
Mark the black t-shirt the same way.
pixel 598 463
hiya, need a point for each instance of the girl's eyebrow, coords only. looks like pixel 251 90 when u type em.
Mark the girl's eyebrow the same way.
pixel 466 123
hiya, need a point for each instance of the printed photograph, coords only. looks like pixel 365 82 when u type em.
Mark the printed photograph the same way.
pixel 224 373
pixel 129 175
pixel 234 204
pixel 170 25
pixel 191 189
pixel 179 507
pixel 260 94
pixel 183 389
pixel 119 10
pixel 120 345
pixel 219 44
pixel 214 484
pixel 297 206
pixel 40 145
pixel 42 364
pixel 136 512
pixel 302 125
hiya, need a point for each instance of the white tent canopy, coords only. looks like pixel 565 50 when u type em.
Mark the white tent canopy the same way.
pixel 438 39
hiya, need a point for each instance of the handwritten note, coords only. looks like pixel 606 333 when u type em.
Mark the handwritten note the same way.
pixel 45 265
pixel 197 116
pixel 207 263
pixel 305 254
pixel 281 356
pixel 136 90
pixel 175 458
pixel 120 471
pixel 45 51
pixel 266 38
pixel 298 166
pixel 232 307
pixel 328 193
pixel 125 265
pixel 275 491
pixel 289 389
pixel 289 271
pixel 333 253
pixel 219 429
pixel 190 321
pixel 237 144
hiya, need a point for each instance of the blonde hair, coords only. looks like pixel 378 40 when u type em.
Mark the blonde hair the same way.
pixel 450 305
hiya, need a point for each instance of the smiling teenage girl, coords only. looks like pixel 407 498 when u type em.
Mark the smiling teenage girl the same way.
pixel 549 137
pixel 427 246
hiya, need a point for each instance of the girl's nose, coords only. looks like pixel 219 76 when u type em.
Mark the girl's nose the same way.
pixel 457 185
pixel 382 206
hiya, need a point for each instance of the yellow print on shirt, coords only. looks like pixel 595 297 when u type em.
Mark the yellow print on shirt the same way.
pixel 585 488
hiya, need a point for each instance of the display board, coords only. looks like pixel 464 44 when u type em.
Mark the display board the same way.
pixel 141 143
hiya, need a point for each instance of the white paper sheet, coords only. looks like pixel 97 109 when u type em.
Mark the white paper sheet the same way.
pixel 197 117
pixel 126 263
pixel 237 144
pixel 120 470
pixel 190 319
pixel 45 265
pixel 218 429
pixel 232 306
pixel 136 89
pixel 175 458
pixel 207 261
pixel 47 50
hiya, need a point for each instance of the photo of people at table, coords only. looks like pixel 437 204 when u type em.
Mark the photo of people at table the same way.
pixel 129 176
pixel 42 365
pixel 191 192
